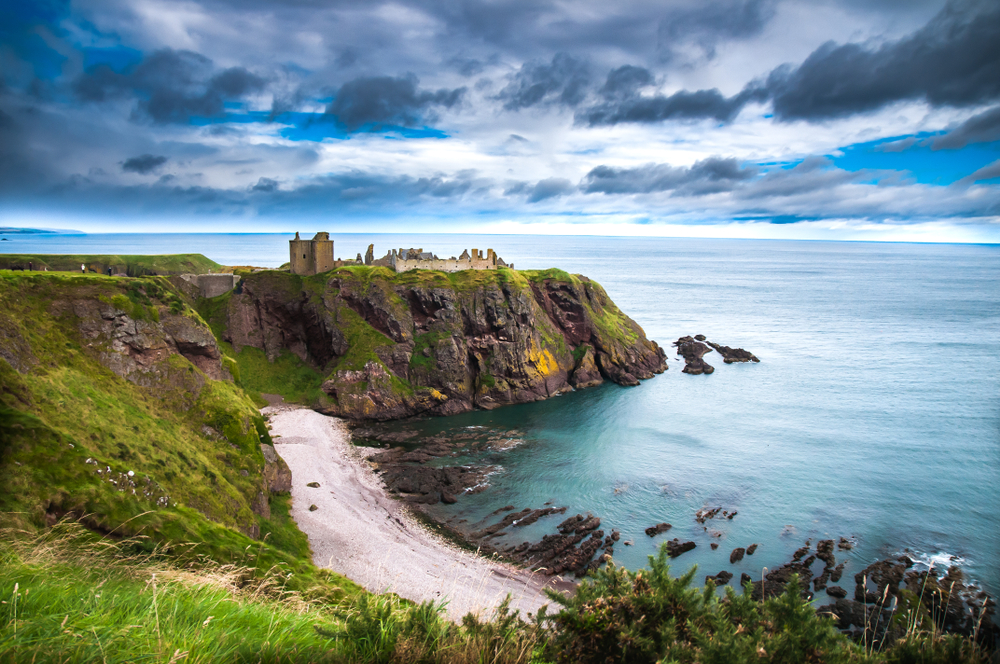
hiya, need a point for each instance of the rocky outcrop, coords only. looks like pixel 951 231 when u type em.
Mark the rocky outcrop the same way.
pixel 653 531
pixel 887 588
pixel 692 350
pixel 675 547
pixel 730 355
pixel 277 474
pixel 139 348
pixel 396 345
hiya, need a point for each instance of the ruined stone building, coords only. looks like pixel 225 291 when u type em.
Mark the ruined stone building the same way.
pixel 311 256
pixel 418 259
pixel 316 256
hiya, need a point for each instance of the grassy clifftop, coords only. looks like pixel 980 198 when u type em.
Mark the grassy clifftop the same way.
pixel 132 266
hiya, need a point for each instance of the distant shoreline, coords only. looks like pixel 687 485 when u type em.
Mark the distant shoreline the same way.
pixel 9 230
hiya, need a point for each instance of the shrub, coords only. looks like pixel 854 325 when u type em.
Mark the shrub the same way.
pixel 649 616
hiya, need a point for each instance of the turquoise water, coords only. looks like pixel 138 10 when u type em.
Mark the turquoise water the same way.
pixel 874 413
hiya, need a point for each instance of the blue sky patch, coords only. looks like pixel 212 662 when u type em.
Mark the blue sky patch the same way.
pixel 940 167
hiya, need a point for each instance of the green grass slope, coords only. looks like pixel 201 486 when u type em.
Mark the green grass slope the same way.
pixel 177 459
pixel 133 266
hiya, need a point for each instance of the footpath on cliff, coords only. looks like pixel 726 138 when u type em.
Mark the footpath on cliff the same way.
pixel 357 529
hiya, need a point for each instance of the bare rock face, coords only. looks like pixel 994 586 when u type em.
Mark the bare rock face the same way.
pixel 277 474
pixel 398 345
pixel 586 373
pixel 139 350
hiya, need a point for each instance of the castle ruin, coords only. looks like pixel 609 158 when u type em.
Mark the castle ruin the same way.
pixel 311 256
pixel 315 256
pixel 418 259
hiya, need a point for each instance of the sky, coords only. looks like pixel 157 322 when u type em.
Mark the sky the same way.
pixel 803 119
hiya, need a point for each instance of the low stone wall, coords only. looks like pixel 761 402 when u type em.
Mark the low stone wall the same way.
pixel 212 285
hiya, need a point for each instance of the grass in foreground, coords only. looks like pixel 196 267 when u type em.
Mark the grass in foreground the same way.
pixel 70 597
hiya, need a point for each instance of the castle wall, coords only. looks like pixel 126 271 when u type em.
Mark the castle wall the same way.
pixel 323 255
pixel 475 261
pixel 300 257
pixel 212 285
pixel 444 265
pixel 311 256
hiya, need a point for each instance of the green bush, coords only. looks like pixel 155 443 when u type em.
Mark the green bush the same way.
pixel 649 616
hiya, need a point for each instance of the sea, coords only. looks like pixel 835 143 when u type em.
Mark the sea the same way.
pixel 874 413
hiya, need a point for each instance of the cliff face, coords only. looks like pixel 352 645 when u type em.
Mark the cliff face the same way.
pixel 394 345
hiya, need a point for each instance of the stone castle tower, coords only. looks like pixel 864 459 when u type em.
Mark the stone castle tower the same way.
pixel 311 256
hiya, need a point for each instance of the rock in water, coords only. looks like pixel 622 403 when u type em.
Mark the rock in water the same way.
pixel 720 579
pixel 675 547
pixel 653 531
pixel 736 555
pixel 730 355
pixel 692 352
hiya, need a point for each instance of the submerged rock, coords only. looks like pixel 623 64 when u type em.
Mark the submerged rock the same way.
pixel 653 531
pixel 675 547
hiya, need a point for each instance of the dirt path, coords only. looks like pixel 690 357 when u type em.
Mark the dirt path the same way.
pixel 359 531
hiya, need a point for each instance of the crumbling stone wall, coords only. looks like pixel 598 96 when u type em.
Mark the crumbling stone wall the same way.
pixel 418 259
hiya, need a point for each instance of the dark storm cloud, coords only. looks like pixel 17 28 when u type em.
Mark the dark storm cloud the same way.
pixel 988 172
pixel 952 61
pixel 564 80
pixel 20 169
pixel 143 164
pixel 811 174
pixel 171 86
pixel 982 128
pixel 707 23
pixel 625 82
pixel 709 176
pixel 683 105
pixel 541 190
pixel 366 188
pixel 265 185
pixel 385 100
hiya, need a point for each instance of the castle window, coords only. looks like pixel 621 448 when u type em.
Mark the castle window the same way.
pixel 303 255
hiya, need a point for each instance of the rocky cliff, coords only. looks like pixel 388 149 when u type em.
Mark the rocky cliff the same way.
pixel 394 345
